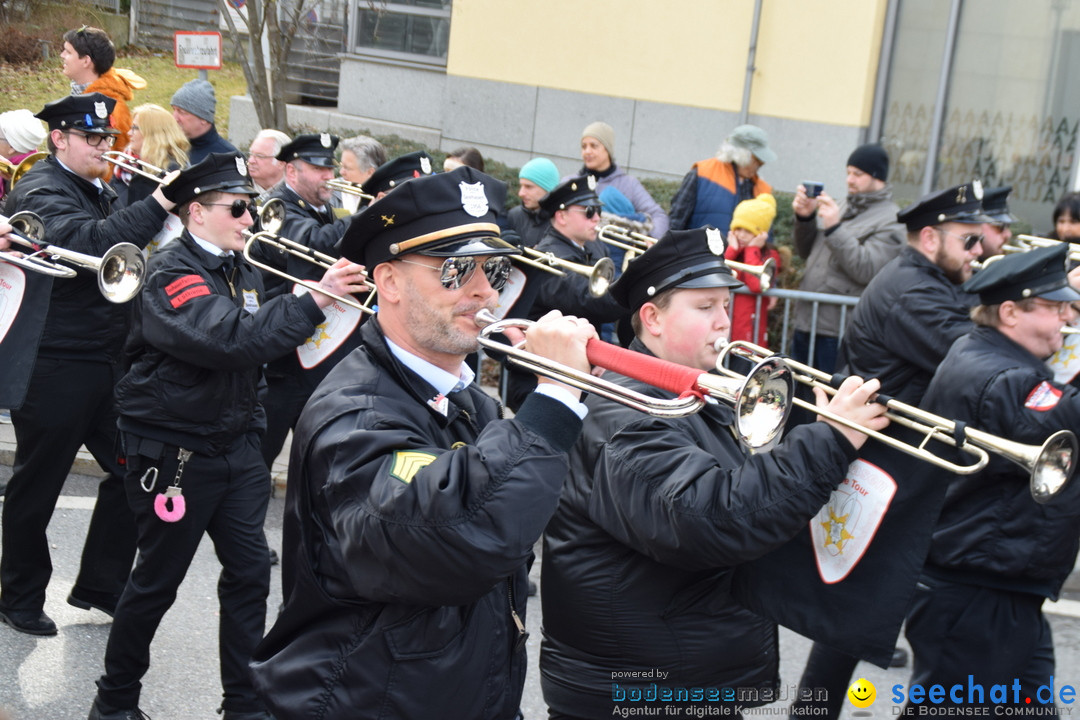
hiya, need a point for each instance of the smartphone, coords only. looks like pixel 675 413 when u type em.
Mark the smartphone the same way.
pixel 813 189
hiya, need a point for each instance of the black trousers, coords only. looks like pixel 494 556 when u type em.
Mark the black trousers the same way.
pixel 995 636
pixel 285 398
pixel 226 498
pixel 68 403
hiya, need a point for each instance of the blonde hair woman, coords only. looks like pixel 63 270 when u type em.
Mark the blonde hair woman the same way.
pixel 157 140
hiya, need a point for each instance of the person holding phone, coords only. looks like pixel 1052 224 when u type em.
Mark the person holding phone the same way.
pixel 844 246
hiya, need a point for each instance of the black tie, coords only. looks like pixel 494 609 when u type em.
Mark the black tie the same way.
pixel 228 262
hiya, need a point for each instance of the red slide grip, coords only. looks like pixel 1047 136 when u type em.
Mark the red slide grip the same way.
pixel 653 371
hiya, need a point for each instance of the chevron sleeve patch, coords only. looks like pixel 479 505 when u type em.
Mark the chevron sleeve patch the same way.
pixel 409 462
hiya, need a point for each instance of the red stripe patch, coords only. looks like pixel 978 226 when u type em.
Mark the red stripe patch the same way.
pixel 177 285
pixel 189 294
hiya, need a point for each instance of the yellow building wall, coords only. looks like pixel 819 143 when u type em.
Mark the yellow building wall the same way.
pixel 816 61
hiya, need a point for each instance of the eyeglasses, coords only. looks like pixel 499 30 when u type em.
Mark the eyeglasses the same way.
pixel 1061 307
pixel 999 227
pixel 455 272
pixel 589 212
pixel 237 207
pixel 970 240
pixel 95 139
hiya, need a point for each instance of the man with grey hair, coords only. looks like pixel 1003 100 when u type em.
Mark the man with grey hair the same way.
pixel 360 156
pixel 265 169
pixel 711 190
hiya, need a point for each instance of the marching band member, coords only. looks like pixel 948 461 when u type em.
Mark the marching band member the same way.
pixel 997 554
pixel 69 400
pixel 190 420
pixel 412 508
pixel 905 322
pixel 639 556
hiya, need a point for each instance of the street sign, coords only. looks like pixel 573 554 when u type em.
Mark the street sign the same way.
pixel 200 50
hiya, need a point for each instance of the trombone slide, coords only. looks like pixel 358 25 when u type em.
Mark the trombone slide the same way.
pixel 760 399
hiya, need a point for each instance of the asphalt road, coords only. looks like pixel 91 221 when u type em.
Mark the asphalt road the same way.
pixel 53 678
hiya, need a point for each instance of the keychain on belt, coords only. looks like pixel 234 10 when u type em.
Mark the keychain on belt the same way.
pixel 172 493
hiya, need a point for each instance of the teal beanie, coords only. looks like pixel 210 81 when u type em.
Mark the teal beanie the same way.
pixel 540 171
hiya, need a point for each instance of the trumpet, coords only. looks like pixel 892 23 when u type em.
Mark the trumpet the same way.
pixel 600 275
pixel 135 165
pixel 14 171
pixel 120 271
pixel 635 244
pixel 761 399
pixel 271 217
pixel 349 188
pixel 1049 465
pixel 1030 242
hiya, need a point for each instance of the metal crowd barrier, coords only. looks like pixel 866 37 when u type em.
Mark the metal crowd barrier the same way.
pixel 789 297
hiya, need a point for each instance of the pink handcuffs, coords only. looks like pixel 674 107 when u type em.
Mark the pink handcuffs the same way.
pixel 172 493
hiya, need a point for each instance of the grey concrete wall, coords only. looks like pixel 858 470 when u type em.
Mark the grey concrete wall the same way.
pixel 513 123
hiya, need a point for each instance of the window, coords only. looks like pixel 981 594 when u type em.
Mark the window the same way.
pixel 415 30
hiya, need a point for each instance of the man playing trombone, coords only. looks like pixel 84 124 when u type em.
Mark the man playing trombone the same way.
pixel 69 399
pixel 656 513
pixel 190 420
pixel 997 553
pixel 412 508
pixel 574 211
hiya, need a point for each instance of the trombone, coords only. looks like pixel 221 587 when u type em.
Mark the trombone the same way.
pixel 761 399
pixel 349 188
pixel 1049 465
pixel 271 217
pixel 600 275
pixel 120 271
pixel 635 244
pixel 135 165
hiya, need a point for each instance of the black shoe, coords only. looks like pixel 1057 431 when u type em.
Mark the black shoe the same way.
pixel 236 715
pixel 274 559
pixel 96 713
pixel 532 589
pixel 86 599
pixel 31 622
pixel 899 658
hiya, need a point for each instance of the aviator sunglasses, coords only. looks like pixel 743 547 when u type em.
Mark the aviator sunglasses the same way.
pixel 970 240
pixel 237 208
pixel 455 272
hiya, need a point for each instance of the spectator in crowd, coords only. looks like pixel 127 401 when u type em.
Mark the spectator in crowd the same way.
pixel 361 156
pixel 748 243
pixel 469 156
pixel 193 106
pixel 1067 218
pixel 21 135
pixel 266 170
pixel 156 139
pixel 536 179
pixel 88 58
pixel 844 246
pixel 598 156
pixel 711 190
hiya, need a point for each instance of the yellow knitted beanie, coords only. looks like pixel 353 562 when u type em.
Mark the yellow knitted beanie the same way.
pixel 755 215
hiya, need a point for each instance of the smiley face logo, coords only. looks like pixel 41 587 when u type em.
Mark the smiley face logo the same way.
pixel 862 694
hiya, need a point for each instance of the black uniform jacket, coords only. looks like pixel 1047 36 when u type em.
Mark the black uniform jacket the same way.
pixel 409 526
pixel 991 532
pixel 196 352
pixel 81 322
pixel 638 559
pixel 303 224
pixel 906 320
pixel 569 293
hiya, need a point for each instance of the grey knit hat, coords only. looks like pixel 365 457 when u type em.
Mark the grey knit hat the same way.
pixel 197 97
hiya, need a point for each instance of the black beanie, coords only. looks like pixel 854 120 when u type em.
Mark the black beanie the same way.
pixel 872 160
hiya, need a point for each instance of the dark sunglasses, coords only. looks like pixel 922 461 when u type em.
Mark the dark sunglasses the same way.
pixel 238 207
pixel 455 272
pixel 970 240
pixel 590 211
